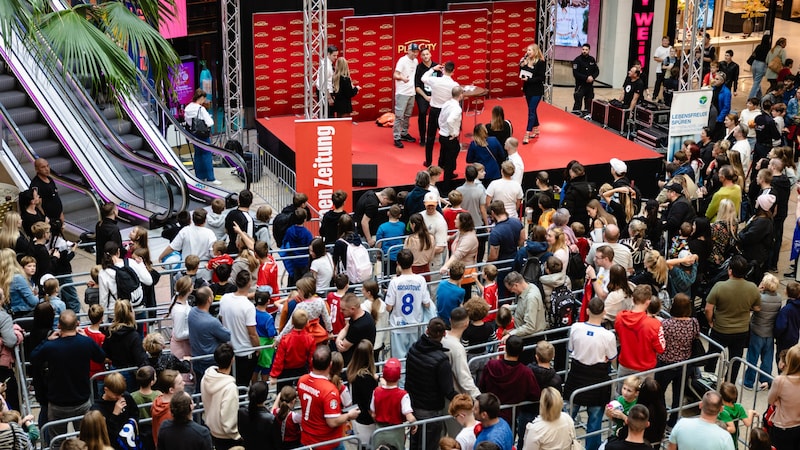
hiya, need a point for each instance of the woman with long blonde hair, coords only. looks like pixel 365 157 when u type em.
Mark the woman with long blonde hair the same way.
pixel 344 89
pixel 557 245
pixel 94 431
pixel 735 160
pixel 532 72
pixel 723 231
pixel 123 346
pixel 655 271
pixel 15 286
pixel 486 150
pixel 12 236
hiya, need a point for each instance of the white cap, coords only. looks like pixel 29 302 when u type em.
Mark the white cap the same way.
pixel 431 198
pixel 45 277
pixel 619 166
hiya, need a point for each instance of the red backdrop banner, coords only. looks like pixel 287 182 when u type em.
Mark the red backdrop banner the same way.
pixel 422 29
pixel 324 161
pixel 278 59
pixel 465 41
pixel 513 28
pixel 368 47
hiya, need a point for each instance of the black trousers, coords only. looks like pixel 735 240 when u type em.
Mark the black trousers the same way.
pixel 422 120
pixel 448 153
pixel 659 82
pixel 583 93
pixel 245 366
pixel 430 137
pixel 735 343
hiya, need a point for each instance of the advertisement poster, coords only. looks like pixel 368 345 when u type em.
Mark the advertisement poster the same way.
pixel 371 65
pixel 183 82
pixel 687 117
pixel 324 161
pixel 577 23
pixel 641 35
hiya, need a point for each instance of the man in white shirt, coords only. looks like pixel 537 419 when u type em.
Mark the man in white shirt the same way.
pixel 506 190
pixel 325 81
pixel 406 296
pixel 238 314
pixel 462 378
pixel 195 239
pixel 404 95
pixel 441 92
pixel 742 145
pixel 512 144
pixel 659 55
pixel 449 129
pixel 435 221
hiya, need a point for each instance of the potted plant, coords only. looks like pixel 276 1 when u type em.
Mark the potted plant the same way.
pixel 752 9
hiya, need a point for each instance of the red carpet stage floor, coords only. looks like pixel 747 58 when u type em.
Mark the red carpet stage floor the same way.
pixel 563 137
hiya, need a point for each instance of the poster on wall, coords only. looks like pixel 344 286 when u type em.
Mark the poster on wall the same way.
pixel 513 27
pixel 182 80
pixel 687 117
pixel 641 35
pixel 324 161
pixel 577 23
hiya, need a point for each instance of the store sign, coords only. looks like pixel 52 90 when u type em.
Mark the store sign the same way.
pixel 641 34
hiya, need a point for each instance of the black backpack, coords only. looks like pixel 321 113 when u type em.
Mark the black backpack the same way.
pixel 532 271
pixel 563 307
pixel 576 269
pixel 200 129
pixel 280 224
pixel 128 285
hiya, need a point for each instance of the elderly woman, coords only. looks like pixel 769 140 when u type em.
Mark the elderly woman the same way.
pixel 465 249
pixel 553 429
pixel 560 219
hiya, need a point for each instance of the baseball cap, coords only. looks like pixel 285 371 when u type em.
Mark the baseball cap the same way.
pixel 674 187
pixel 44 278
pixel 431 199
pixel 413 47
pixel 391 370
pixel 618 165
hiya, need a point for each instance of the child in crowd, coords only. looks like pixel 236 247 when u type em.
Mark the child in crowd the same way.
pixel 374 305
pixel 654 308
pixel 505 323
pixel 553 277
pixel 265 327
pixel 154 346
pixel 267 270
pixel 223 285
pixel 192 265
pixel 546 375
pixel 448 443
pixel 452 211
pixel 337 365
pixel 145 378
pixel 681 241
pixel 51 289
pixel 215 220
pixel 169 382
pixel 478 331
pixel 435 173
pixel 583 243
pixel 388 230
pixel 293 356
pixel 288 419
pixel 547 206
pixel 630 394
pixel 759 440
pixel 261 224
pixel 220 257
pixel 32 429
pixel 334 300
pixel 733 412
pixel 93 332
pixel 92 294
pixel 387 400
pixel 450 294
pixel 329 225
pixel 29 269
pixel 489 290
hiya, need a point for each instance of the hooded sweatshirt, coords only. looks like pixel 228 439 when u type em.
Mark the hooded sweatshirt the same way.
pixel 511 381
pixel 552 281
pixel 221 402
pixel 640 339
pixel 160 412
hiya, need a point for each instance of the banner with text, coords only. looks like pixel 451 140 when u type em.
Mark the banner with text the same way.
pixel 324 161
pixel 371 64
pixel 687 117
pixel 641 34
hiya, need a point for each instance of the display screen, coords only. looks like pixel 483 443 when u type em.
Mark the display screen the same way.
pixel 577 23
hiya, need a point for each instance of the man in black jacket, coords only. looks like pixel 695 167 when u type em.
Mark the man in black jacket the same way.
pixel 678 211
pixel 781 189
pixel 585 70
pixel 180 432
pixel 428 381
pixel 106 230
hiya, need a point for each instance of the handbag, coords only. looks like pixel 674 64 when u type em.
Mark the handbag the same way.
pixel 776 64
pixel 751 59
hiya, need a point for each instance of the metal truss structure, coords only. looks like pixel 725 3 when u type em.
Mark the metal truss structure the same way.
pixel 547 42
pixel 315 38
pixel 232 70
pixel 691 37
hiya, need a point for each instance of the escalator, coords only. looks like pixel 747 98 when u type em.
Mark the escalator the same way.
pixel 51 123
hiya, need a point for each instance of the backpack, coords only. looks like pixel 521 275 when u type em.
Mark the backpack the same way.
pixel 563 308
pixel 665 298
pixel 386 120
pixel 280 224
pixel 128 285
pixel 359 266
pixel 200 128
pixel 532 271
pixel 576 269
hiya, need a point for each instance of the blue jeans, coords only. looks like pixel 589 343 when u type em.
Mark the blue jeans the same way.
pixel 758 69
pixel 203 164
pixel 593 423
pixel 760 347
pixel 533 118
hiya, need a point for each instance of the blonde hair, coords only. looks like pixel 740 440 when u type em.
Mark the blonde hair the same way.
pixel 560 240
pixel 657 265
pixel 8 268
pixel 728 215
pixel 123 316
pixel 93 431
pixel 9 232
pixel 769 283
pixel 735 160
pixel 153 343
pixel 550 404
pixel 342 70
pixel 480 134
pixel 537 52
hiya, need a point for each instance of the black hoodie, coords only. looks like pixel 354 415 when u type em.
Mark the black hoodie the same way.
pixel 124 348
pixel 781 188
pixel 429 378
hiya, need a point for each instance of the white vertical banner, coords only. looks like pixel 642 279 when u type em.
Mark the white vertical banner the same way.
pixel 687 117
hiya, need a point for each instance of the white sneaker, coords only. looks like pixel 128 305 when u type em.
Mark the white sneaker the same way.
pixel 216 182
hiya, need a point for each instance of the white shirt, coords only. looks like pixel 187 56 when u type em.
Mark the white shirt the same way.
pixel 437 226
pixel 519 167
pixel 323 267
pixel 591 344
pixel 194 240
pixel 747 116
pixel 406 295
pixel 180 321
pixel 107 281
pixel 328 75
pixel 661 53
pixel 507 191
pixel 441 88
pixel 408 68
pixel 466 437
pixel 743 147
pixel 450 118
pixel 193 110
pixel 238 313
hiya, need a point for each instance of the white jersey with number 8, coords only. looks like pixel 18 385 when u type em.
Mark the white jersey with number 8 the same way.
pixel 407 294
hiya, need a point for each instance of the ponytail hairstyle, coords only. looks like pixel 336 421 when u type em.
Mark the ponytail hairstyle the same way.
pixel 50 289
pixel 110 250
pixel 337 365
pixel 371 287
pixel 657 265
pixel 288 396
pixel 183 287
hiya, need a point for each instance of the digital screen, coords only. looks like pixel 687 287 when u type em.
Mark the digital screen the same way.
pixel 577 23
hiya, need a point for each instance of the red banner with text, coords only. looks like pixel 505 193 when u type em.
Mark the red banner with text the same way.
pixel 324 161
pixel 465 41
pixel 513 28
pixel 369 51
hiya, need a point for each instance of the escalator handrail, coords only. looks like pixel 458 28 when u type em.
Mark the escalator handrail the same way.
pixel 133 165
pixel 32 156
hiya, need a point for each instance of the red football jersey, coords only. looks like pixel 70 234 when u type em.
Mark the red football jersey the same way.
pixel 319 398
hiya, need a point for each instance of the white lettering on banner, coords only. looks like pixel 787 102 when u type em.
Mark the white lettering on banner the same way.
pixel 324 165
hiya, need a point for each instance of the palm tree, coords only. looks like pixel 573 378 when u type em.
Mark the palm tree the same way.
pixel 100 41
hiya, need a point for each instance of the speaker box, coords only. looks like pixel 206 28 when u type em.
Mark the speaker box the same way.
pixel 365 175
pixel 600 111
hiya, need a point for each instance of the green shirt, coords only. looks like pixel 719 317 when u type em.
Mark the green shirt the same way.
pixel 733 300
pixel 626 408
pixel 734 414
pixel 140 399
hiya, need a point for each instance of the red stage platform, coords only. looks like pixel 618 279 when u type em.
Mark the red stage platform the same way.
pixel 563 137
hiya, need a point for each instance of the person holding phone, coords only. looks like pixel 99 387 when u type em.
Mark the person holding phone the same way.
pixel 532 74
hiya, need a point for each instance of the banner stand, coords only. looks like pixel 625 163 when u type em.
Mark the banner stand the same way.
pixel 324 161
pixel 687 117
